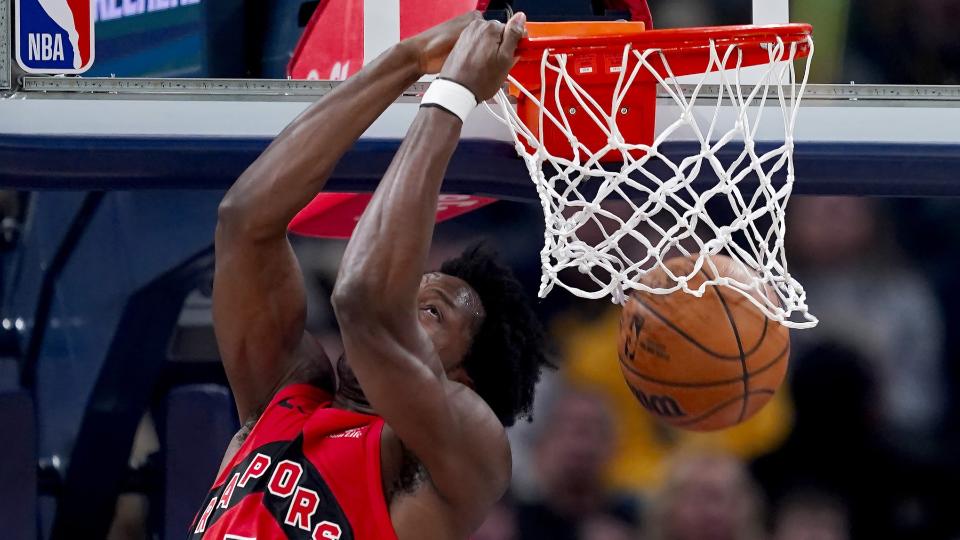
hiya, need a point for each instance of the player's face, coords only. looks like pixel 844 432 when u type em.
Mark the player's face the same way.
pixel 451 313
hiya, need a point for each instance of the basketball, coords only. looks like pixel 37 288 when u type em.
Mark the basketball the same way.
pixel 702 363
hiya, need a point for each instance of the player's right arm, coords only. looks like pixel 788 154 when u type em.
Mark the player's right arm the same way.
pixel 259 301
pixel 380 305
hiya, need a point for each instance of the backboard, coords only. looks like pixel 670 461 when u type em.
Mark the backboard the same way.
pixel 91 132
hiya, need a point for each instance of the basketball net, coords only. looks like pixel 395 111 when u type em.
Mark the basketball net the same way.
pixel 665 192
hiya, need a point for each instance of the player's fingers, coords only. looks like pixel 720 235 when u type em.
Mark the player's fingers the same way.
pixel 494 28
pixel 513 32
pixel 474 31
pixel 464 21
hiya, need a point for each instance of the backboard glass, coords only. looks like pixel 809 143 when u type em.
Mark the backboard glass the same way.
pixel 79 132
pixel 885 42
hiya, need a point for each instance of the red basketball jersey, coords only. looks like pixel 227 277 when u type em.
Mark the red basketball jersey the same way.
pixel 306 471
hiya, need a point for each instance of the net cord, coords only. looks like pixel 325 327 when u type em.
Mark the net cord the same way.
pixel 653 199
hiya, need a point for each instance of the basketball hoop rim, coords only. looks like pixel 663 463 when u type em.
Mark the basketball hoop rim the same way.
pixel 573 36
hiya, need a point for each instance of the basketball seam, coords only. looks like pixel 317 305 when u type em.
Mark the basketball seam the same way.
pixel 685 335
pixel 678 384
pixel 714 410
pixel 743 359
pixel 766 320
pixel 763 335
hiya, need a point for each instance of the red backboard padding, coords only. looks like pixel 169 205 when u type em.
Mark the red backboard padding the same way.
pixel 335 215
pixel 331 47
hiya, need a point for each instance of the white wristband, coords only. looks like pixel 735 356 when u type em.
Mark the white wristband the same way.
pixel 450 96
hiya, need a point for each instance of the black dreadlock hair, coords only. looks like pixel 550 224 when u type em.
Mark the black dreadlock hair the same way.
pixel 509 350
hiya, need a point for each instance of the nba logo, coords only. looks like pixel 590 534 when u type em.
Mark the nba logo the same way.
pixel 54 36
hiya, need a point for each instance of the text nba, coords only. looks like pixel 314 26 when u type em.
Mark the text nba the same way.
pixel 45 47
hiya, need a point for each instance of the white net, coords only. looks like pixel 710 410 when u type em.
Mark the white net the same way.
pixel 703 186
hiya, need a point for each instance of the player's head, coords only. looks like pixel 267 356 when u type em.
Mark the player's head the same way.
pixel 484 330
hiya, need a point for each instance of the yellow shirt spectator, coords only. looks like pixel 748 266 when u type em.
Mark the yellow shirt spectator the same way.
pixel 644 445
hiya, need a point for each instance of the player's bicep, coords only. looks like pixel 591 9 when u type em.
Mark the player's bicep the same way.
pixel 402 379
pixel 446 425
pixel 259 309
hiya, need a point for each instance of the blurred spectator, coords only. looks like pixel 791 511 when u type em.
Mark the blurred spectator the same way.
pixel 830 20
pixel 874 42
pixel 684 13
pixel 836 448
pixel 588 334
pixel 589 338
pixel 606 527
pixel 901 42
pixel 811 516
pixel 706 496
pixel 500 524
pixel 861 287
pixel 131 519
pixel 928 228
pixel 572 448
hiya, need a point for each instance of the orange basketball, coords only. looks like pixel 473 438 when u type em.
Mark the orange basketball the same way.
pixel 701 363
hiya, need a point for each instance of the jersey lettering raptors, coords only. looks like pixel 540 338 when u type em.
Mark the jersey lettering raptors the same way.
pixel 306 471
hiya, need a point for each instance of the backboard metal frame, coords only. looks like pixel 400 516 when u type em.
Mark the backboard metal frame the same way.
pixel 6 42
pixel 195 87
pixel 829 113
pixel 863 139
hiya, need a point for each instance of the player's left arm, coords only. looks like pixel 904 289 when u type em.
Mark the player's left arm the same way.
pixel 448 427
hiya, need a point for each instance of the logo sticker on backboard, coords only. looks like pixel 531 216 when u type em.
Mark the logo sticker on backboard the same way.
pixel 54 36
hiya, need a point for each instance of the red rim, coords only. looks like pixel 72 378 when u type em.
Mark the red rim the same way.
pixel 673 38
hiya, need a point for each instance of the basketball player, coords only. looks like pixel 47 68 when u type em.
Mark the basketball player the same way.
pixel 403 436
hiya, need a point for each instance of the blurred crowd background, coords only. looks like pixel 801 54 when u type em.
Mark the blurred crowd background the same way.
pixel 861 442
